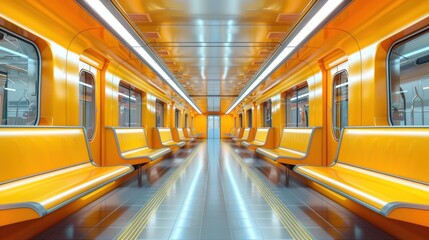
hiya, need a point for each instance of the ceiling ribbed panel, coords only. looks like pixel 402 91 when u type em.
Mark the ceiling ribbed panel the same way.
pixel 213 48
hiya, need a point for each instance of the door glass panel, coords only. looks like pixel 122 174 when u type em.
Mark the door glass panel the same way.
pixel 87 102
pixel 409 81
pixel 341 103
pixel 19 81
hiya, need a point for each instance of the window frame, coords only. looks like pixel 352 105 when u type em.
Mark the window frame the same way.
pixel 249 114
pixel 38 76
pixel 157 101
pixel 240 119
pixel 264 112
pixel 176 117
pixel 338 73
pixel 404 39
pixel 134 90
pixel 296 89
pixel 93 105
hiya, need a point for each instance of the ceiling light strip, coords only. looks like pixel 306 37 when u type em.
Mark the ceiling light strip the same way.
pixel 134 43
pixel 305 29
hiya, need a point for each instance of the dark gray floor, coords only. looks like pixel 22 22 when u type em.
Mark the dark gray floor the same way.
pixel 214 199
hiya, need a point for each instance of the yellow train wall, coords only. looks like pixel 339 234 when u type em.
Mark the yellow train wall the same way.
pixel 360 36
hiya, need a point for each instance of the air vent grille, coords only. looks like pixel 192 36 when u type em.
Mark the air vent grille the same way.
pixel 276 35
pixel 287 17
pixel 140 17
pixel 151 35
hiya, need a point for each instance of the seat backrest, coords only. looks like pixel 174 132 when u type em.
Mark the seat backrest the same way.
pixel 261 134
pixel 232 131
pixel 130 138
pixel 297 139
pixel 188 130
pixel 181 134
pixel 165 134
pixel 28 151
pixel 237 132
pixel 398 151
pixel 246 134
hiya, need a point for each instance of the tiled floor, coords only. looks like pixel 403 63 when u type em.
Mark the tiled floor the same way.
pixel 214 199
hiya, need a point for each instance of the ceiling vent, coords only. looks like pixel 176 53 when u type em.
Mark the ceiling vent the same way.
pixel 151 35
pixel 264 52
pixel 276 35
pixel 169 62
pixel 287 17
pixel 140 17
pixel 252 71
pixel 163 52
pixel 258 62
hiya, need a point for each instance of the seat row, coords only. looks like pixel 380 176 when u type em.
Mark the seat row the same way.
pixel 381 168
pixel 46 168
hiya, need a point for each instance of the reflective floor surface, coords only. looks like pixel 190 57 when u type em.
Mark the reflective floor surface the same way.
pixel 221 191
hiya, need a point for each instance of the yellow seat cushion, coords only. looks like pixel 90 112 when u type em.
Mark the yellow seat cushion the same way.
pixel 382 168
pixel 379 192
pixel 244 137
pixel 182 136
pixel 280 152
pixel 146 152
pixel 45 168
pixel 47 192
pixel 129 145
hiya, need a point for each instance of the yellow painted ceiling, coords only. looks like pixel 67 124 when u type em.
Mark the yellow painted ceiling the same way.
pixel 213 48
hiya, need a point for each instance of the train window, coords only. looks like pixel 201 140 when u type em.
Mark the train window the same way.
pixel 408 67
pixel 240 119
pixel 341 105
pixel 267 113
pixel 297 107
pixel 186 120
pixel 19 81
pixel 87 102
pixel 159 114
pixel 176 117
pixel 130 106
pixel 249 117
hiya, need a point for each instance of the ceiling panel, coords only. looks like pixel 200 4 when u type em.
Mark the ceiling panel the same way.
pixel 213 48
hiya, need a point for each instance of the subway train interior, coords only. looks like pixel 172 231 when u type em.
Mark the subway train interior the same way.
pixel 202 119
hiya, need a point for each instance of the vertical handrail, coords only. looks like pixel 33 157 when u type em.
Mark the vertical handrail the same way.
pixel 415 98
pixel 423 93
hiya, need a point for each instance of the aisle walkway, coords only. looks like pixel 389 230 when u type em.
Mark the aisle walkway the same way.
pixel 213 190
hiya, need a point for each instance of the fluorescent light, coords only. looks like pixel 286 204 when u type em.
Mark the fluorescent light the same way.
pixel 299 97
pixel 13 52
pixel 405 91
pixel 10 89
pixel 425 88
pixel 126 96
pixel 342 85
pixel 304 32
pixel 115 25
pixel 85 84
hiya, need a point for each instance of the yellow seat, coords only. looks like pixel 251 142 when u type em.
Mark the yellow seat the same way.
pixel 194 133
pixel 164 138
pixel 45 168
pixel 238 133
pixel 232 134
pixel 246 136
pixel 383 169
pixel 264 137
pixel 188 133
pixel 297 146
pixel 129 145
pixel 182 137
